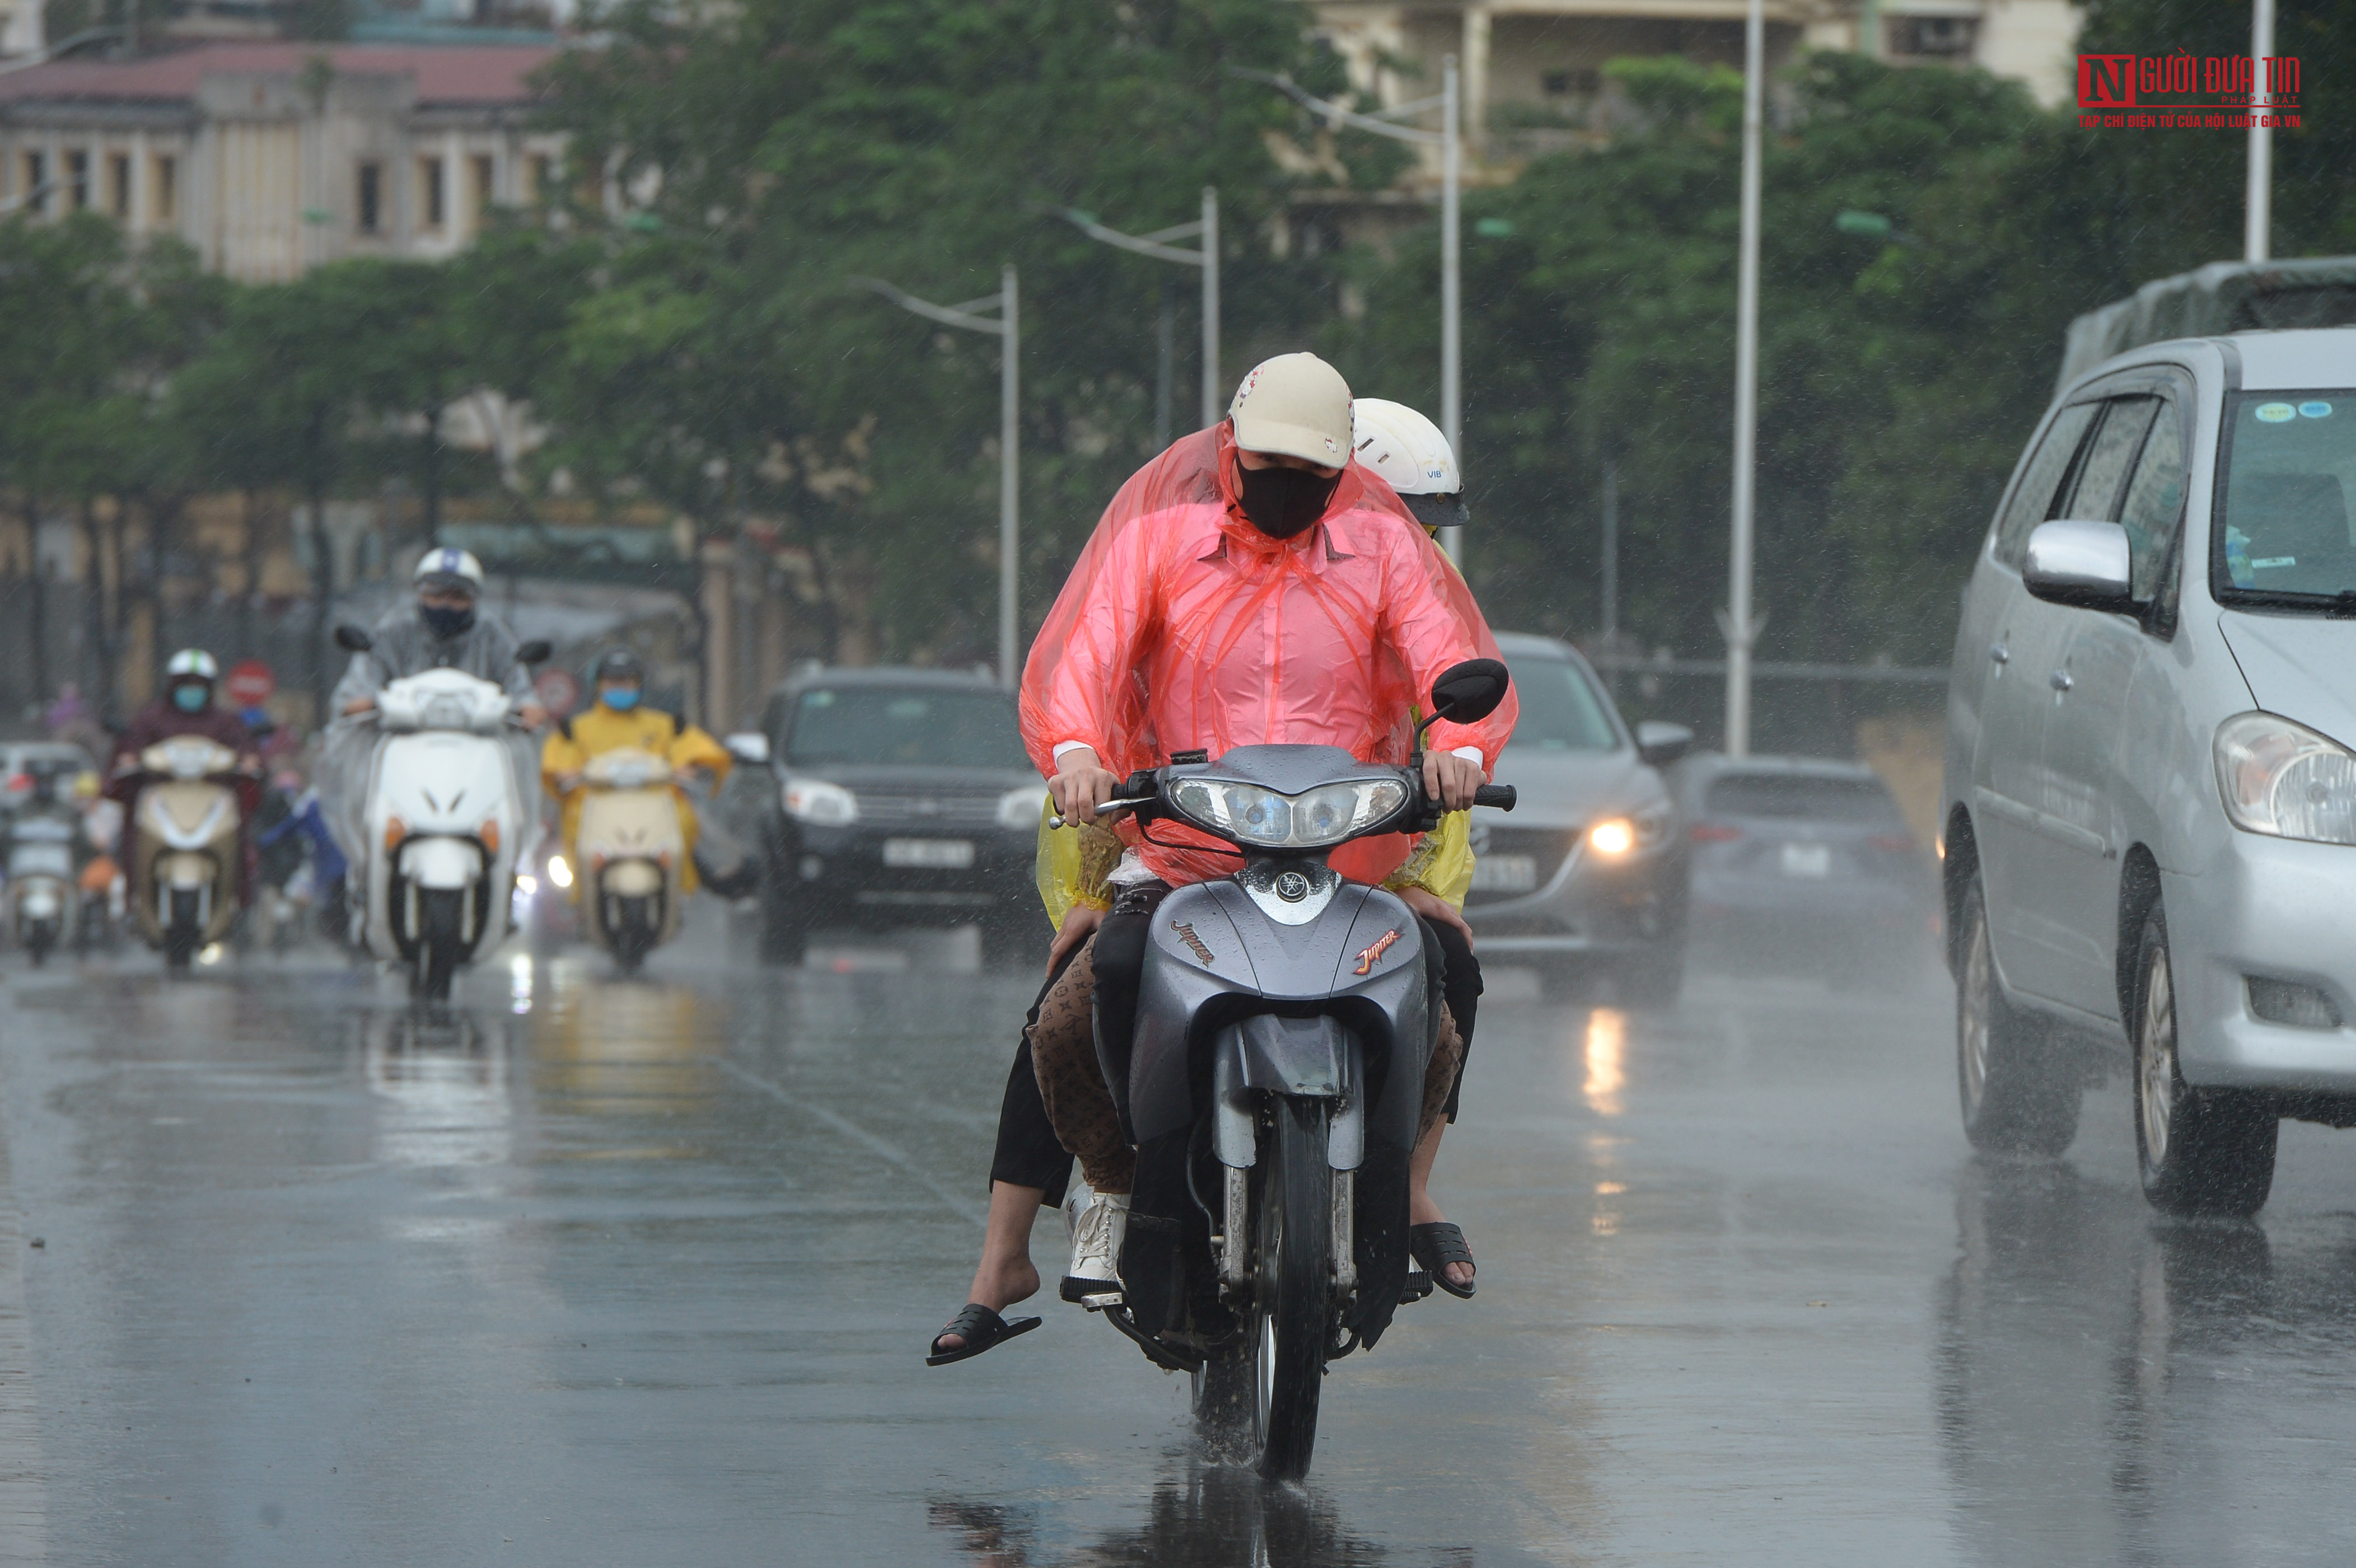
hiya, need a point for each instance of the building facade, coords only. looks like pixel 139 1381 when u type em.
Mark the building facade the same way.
pixel 271 158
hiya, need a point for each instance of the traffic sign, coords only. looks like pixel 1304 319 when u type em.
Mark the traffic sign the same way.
pixel 559 691
pixel 250 682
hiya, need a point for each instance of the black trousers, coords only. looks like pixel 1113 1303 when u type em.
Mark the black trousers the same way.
pixel 1028 1154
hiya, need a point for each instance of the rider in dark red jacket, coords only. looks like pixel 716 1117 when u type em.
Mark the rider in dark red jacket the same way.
pixel 185 708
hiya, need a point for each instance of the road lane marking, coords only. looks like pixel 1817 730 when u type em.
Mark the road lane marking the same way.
pixel 889 1152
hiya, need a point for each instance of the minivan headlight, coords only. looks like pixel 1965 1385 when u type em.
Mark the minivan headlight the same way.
pixel 1252 814
pixel 1020 808
pixel 817 802
pixel 2284 779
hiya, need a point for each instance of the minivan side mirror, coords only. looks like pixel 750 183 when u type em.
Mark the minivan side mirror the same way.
pixel 1466 693
pixel 2079 563
pixel 352 640
pixel 749 747
pixel 534 652
pixel 1658 743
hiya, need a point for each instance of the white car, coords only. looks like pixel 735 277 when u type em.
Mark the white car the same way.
pixel 2149 815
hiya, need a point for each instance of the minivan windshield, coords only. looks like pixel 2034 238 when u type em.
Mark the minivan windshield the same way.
pixel 904 726
pixel 1561 710
pixel 2282 539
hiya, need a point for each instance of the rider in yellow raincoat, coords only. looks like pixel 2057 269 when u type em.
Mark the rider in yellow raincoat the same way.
pixel 618 718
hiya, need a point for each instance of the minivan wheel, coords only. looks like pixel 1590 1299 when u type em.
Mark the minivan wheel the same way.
pixel 2017 1097
pixel 2200 1151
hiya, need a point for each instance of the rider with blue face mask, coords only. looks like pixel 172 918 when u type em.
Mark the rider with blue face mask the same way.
pixel 184 707
pixel 621 719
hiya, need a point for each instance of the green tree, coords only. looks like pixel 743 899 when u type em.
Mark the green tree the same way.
pixel 731 367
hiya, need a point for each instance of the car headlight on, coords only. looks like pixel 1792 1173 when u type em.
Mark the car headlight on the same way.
pixel 1251 815
pixel 2284 779
pixel 821 804
pixel 1615 837
pixel 1021 808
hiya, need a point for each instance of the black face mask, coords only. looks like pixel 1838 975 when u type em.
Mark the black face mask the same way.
pixel 446 622
pixel 1282 502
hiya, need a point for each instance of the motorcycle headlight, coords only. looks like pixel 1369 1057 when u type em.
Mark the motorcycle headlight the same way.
pixel 825 805
pixel 1021 808
pixel 1251 815
pixel 2284 779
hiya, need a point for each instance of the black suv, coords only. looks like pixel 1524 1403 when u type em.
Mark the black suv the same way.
pixel 902 799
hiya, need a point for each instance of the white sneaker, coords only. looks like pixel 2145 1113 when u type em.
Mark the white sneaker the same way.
pixel 1099 1224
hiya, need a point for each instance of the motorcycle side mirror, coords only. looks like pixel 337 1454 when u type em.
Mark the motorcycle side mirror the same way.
pixel 1466 693
pixel 535 651
pixel 352 640
pixel 749 747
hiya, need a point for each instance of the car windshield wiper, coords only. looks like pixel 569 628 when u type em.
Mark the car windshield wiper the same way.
pixel 2340 606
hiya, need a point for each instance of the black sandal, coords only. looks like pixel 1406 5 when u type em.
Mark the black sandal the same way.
pixel 981 1328
pixel 1436 1246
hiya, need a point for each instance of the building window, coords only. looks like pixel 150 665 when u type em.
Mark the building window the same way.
pixel 78 181
pixel 168 191
pixel 371 198
pixel 37 176
pixel 1566 84
pixel 1932 38
pixel 429 179
pixel 118 185
pixel 484 172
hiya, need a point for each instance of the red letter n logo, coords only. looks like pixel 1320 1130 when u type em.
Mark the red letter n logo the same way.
pixel 2107 81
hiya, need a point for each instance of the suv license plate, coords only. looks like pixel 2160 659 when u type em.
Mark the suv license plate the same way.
pixel 1813 861
pixel 938 854
pixel 1504 873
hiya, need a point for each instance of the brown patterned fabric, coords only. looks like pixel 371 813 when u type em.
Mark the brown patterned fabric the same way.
pixel 1072 1084
pixel 1071 1081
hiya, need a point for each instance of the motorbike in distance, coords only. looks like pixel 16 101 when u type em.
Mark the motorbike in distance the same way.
pixel 631 850
pixel 1285 1020
pixel 41 833
pixel 186 846
pixel 445 820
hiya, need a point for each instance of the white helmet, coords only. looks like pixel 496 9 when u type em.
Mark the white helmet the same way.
pixel 446 567
pixel 192 662
pixel 1410 455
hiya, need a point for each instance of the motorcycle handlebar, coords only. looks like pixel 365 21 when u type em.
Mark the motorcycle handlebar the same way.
pixel 1502 796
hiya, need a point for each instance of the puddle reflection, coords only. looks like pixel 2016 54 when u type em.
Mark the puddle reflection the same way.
pixel 1202 1516
pixel 2110 1382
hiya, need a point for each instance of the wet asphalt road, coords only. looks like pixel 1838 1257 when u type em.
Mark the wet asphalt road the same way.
pixel 642 1273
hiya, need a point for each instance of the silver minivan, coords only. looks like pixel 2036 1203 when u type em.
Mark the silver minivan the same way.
pixel 2149 813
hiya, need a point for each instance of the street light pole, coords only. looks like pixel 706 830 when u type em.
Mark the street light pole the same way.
pixel 1448 140
pixel 1451 282
pixel 2257 227
pixel 1735 623
pixel 1008 330
pixel 1157 245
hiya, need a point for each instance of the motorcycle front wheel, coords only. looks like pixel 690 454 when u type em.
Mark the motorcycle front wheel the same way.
pixel 439 946
pixel 1260 1392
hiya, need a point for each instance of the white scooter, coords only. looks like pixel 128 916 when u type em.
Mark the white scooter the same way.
pixel 631 853
pixel 41 889
pixel 447 819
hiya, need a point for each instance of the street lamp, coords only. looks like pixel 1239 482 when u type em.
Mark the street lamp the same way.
pixel 1449 141
pixel 2257 223
pixel 1735 621
pixel 1157 245
pixel 1008 329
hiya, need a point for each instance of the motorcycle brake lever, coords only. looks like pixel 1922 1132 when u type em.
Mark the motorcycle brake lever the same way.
pixel 1106 811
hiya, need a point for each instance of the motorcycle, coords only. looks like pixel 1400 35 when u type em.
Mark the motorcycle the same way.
pixel 185 846
pixel 631 848
pixel 42 895
pixel 1285 1018
pixel 447 819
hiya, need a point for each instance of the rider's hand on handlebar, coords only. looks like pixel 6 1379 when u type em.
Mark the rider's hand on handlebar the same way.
pixel 566 782
pixel 532 714
pixel 358 705
pixel 1082 783
pixel 1451 779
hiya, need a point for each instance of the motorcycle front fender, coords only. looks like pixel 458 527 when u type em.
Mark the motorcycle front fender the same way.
pixel 442 863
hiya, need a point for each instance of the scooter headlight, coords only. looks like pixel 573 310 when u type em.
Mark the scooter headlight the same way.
pixel 2284 780
pixel 1250 814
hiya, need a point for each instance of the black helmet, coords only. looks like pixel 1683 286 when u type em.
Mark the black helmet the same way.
pixel 618 664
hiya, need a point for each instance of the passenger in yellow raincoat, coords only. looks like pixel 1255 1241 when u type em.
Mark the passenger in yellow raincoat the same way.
pixel 619 719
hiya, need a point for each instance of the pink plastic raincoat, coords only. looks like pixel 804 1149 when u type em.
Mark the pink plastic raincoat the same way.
pixel 1183 626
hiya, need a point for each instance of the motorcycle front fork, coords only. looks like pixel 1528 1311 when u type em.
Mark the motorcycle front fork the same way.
pixel 1232 1246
